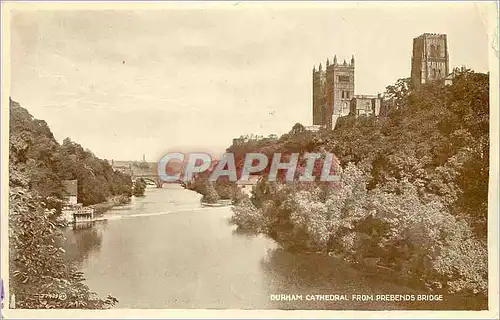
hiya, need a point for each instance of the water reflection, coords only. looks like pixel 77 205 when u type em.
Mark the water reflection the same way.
pixel 83 239
pixel 165 251
pixel 319 274
pixel 244 233
pixel 316 274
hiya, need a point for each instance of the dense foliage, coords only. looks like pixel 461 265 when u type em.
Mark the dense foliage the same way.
pixel 37 166
pixel 212 192
pixel 139 187
pixel 34 151
pixel 40 276
pixel 414 192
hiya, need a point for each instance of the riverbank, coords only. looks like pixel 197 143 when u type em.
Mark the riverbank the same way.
pixel 210 196
pixel 371 267
pixel 114 201
pixel 212 192
pixel 369 270
pixel 218 203
pixel 300 222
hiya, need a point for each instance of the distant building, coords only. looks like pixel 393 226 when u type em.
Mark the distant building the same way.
pixel 70 192
pixel 247 138
pixel 122 166
pixel 70 199
pixel 247 186
pixel 333 86
pixel 314 128
pixel 273 137
pixel 365 105
pixel 332 89
pixel 430 59
pixel 386 105
pixel 238 141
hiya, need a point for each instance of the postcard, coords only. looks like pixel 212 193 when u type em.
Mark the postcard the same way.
pixel 249 160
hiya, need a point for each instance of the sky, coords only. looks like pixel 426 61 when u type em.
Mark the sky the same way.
pixel 191 78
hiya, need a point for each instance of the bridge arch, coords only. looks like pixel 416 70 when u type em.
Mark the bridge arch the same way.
pixel 150 180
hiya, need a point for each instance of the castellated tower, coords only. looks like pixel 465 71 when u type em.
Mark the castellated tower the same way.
pixel 333 88
pixel 430 59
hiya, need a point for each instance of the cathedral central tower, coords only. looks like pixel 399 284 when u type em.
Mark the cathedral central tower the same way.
pixel 429 61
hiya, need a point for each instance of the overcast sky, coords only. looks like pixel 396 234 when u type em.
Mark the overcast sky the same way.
pixel 128 83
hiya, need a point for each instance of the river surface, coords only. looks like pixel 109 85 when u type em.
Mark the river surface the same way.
pixel 165 251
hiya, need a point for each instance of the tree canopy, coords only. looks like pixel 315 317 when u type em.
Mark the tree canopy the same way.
pixel 414 190
pixel 37 166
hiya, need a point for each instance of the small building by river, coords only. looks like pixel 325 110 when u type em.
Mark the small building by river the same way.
pixel 70 192
pixel 247 186
pixel 72 211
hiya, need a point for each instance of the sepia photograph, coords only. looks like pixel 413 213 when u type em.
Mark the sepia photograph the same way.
pixel 248 157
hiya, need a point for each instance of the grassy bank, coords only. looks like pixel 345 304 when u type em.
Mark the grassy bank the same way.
pixel 212 192
pixel 114 201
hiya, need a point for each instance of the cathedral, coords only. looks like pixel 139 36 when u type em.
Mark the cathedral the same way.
pixel 333 86
pixel 333 89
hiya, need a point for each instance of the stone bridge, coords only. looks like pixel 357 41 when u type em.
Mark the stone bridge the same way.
pixel 150 179
pixel 148 171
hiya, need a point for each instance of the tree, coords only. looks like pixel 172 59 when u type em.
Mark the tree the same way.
pixel 209 194
pixel 414 193
pixel 297 128
pixel 398 92
pixel 37 166
pixel 37 264
pixel 139 187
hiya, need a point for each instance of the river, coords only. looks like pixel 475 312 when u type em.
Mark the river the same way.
pixel 165 251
